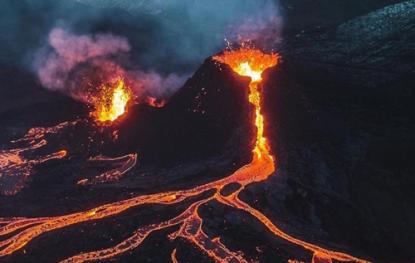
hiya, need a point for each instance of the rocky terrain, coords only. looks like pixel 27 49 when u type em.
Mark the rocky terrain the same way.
pixel 339 110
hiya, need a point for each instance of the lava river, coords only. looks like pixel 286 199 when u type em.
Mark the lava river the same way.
pixel 246 62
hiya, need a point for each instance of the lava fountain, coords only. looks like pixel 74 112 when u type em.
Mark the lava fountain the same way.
pixel 18 232
pixel 112 101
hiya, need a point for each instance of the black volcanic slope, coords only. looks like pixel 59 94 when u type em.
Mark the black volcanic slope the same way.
pixel 341 112
pixel 197 122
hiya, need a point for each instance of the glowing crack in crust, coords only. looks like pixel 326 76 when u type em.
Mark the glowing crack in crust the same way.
pixel 123 164
pixel 247 62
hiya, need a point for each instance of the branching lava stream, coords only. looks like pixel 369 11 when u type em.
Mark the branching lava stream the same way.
pixel 15 168
pixel 246 62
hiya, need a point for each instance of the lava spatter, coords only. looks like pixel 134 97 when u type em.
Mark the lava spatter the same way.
pixel 111 102
pixel 246 62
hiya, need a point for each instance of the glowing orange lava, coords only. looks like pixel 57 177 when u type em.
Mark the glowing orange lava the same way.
pixel 246 62
pixel 156 103
pixel 251 63
pixel 112 101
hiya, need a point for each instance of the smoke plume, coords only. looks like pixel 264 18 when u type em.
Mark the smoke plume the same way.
pixel 68 50
pixel 77 65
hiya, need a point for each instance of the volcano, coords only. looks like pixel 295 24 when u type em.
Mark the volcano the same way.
pixel 237 80
pixel 300 155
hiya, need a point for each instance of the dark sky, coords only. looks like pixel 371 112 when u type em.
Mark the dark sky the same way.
pixel 165 36
pixel 171 36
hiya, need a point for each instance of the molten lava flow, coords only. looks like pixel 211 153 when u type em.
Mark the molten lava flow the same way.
pixel 251 63
pixel 16 168
pixel 246 62
pixel 112 101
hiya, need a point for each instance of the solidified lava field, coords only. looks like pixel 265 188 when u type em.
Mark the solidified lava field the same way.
pixel 133 132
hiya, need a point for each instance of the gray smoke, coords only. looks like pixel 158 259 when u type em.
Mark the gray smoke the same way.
pixel 162 42
pixel 188 31
pixel 69 50
pixel 60 66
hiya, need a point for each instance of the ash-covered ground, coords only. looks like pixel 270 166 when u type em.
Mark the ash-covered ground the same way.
pixel 339 111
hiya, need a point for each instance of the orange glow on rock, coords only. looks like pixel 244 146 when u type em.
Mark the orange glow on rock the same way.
pixel 156 103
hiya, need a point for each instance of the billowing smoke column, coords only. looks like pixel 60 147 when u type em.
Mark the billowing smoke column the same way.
pixel 79 66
